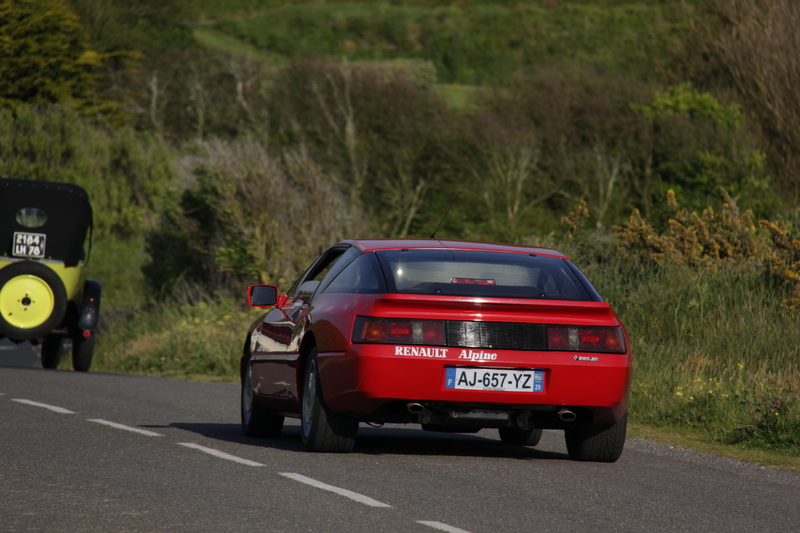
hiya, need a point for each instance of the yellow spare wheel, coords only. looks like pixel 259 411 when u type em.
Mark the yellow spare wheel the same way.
pixel 33 300
pixel 26 302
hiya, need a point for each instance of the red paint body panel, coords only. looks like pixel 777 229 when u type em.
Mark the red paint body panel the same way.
pixel 365 377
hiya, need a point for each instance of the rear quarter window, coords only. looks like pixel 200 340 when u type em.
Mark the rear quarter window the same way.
pixel 360 277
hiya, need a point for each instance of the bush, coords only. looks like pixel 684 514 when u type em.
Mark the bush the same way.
pixel 712 239
pixel 250 217
pixel 176 339
pixel 378 132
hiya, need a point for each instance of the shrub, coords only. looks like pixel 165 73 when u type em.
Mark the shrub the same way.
pixel 175 339
pixel 710 239
pixel 250 217
pixel 378 132
pixel 694 240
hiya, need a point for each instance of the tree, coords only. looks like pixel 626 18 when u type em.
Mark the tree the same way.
pixel 45 55
pixel 755 43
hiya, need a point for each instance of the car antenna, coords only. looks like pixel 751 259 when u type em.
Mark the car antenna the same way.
pixel 433 235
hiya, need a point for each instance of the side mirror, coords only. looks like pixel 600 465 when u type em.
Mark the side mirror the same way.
pixel 262 295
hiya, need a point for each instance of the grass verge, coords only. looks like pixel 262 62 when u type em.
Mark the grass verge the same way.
pixel 700 441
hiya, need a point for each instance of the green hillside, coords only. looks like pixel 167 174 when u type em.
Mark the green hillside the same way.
pixel 476 43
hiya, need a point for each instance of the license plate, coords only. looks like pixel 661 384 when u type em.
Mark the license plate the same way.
pixel 29 244
pixel 496 379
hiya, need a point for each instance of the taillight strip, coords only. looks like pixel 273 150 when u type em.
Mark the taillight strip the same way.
pixel 488 335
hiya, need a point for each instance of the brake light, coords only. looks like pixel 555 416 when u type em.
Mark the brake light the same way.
pixel 585 339
pixel 398 331
pixel 472 281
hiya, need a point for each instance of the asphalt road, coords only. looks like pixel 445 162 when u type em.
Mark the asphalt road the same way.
pixel 23 354
pixel 108 452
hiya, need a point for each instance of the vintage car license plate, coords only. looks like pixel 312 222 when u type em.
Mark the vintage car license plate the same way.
pixel 29 244
pixel 497 379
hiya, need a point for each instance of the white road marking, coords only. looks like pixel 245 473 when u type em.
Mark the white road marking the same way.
pixel 221 455
pixel 441 527
pixel 126 428
pixel 341 492
pixel 46 406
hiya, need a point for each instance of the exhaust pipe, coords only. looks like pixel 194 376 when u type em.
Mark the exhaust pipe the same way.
pixel 566 415
pixel 415 408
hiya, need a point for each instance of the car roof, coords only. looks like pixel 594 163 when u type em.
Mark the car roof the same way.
pixel 368 245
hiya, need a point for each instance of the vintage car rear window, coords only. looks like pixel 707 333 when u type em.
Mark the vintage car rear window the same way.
pixel 483 274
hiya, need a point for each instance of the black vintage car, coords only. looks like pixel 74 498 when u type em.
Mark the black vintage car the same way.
pixel 43 297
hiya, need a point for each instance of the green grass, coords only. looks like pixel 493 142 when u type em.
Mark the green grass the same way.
pixel 218 41
pixel 714 350
pixel 457 96
pixel 216 9
pixel 116 264
pixel 476 43
pixel 174 340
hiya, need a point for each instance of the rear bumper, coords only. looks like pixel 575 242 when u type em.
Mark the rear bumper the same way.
pixel 367 379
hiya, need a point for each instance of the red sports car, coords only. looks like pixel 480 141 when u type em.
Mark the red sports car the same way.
pixel 455 336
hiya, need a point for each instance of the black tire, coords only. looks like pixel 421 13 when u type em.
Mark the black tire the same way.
pixel 257 422
pixel 520 437
pixel 322 429
pixel 52 350
pixel 597 443
pixel 82 352
pixel 51 318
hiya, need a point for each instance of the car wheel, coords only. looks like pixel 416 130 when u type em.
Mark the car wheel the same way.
pixel 52 350
pixel 520 437
pixel 33 300
pixel 322 429
pixel 257 422
pixel 82 352
pixel 602 444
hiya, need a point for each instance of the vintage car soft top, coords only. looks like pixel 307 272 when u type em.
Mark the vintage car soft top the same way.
pixel 67 218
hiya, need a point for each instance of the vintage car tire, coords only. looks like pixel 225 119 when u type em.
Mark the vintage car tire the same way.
pixel 520 437
pixel 323 430
pixel 597 443
pixel 257 422
pixel 82 352
pixel 50 298
pixel 52 351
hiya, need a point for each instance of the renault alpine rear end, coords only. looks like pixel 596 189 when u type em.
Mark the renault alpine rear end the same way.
pixel 454 336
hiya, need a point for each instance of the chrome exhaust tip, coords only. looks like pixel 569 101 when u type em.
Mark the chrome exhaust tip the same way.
pixel 415 408
pixel 567 416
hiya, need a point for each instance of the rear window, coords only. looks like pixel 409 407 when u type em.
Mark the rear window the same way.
pixel 482 274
